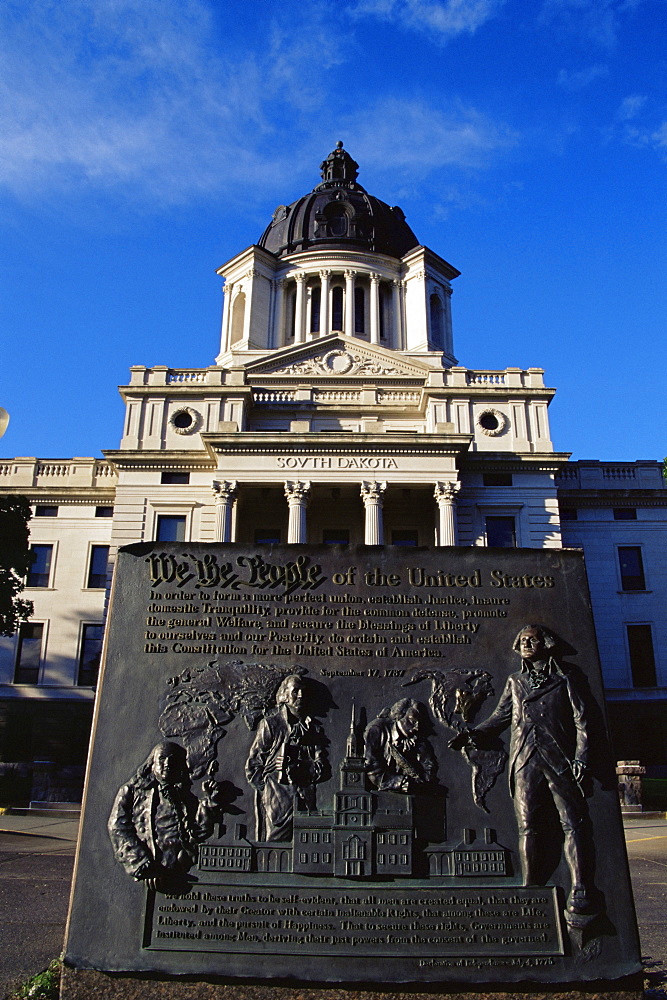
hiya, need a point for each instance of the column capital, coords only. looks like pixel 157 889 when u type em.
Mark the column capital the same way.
pixel 350 274
pixel 398 283
pixel 297 492
pixel 281 282
pixel 224 491
pixel 300 276
pixel 372 492
pixel 445 493
pixel 375 277
pixel 325 273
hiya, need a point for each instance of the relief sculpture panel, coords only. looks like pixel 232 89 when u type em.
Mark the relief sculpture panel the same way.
pixel 277 776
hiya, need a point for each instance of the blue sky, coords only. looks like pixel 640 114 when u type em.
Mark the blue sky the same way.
pixel 144 143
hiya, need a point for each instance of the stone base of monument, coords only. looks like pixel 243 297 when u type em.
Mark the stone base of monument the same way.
pixel 82 984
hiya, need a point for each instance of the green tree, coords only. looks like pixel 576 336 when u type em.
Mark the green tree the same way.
pixel 15 561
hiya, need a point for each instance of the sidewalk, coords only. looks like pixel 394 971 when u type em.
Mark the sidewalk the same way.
pixel 37 856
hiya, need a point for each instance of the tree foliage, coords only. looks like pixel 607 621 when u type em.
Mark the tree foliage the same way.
pixel 15 560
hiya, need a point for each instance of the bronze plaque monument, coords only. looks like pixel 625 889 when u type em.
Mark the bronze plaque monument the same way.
pixel 353 765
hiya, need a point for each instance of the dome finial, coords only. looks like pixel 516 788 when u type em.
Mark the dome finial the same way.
pixel 339 166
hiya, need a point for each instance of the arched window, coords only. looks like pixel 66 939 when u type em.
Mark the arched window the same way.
pixel 337 219
pixel 359 310
pixel 315 300
pixel 437 330
pixel 337 308
pixel 238 318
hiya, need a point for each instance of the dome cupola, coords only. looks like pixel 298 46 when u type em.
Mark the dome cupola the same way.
pixel 338 214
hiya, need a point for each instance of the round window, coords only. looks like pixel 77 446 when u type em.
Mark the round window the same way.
pixel 492 422
pixel 185 421
pixel 489 421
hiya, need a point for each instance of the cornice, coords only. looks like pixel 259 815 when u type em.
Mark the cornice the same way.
pixel 184 461
pixel 545 461
pixel 63 495
pixel 284 442
pixel 612 498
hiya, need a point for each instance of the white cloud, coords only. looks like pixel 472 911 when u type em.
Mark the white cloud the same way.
pixel 659 137
pixel 141 99
pixel 441 19
pixel 413 137
pixel 599 21
pixel 630 107
pixel 579 79
pixel 142 95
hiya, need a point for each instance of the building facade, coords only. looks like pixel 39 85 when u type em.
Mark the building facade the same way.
pixel 335 412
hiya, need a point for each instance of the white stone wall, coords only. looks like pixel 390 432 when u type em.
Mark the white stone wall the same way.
pixel 600 535
pixel 65 605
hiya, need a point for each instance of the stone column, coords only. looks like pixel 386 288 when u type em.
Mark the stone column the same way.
pixel 397 309
pixel 375 309
pixel 349 303
pixel 448 334
pixel 278 336
pixel 325 277
pixel 372 494
pixel 299 308
pixel 445 495
pixel 224 326
pixel 225 497
pixel 297 494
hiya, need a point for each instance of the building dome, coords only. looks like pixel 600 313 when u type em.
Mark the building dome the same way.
pixel 338 214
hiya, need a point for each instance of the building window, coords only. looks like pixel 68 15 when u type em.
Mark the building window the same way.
pixel 39 573
pixel 337 308
pixel 569 514
pixel 625 514
pixel 405 536
pixel 500 532
pixel 171 528
pixel 104 512
pixel 336 536
pixel 28 653
pixel 359 310
pixel 632 567
pixel 497 478
pixel 175 478
pixel 89 656
pixel 315 301
pixel 46 510
pixel 267 536
pixel 97 568
pixel 642 658
pixel 337 220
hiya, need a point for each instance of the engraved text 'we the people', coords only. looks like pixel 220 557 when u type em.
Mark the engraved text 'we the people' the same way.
pixel 254 572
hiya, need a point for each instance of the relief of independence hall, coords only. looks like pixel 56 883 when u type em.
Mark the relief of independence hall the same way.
pixel 335 412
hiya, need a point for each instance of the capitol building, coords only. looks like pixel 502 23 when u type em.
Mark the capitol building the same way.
pixel 335 411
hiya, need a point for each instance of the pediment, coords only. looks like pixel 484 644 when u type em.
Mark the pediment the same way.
pixel 336 357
